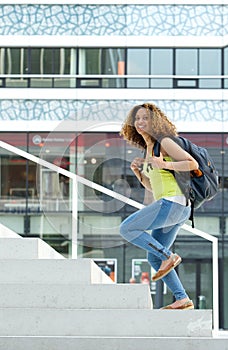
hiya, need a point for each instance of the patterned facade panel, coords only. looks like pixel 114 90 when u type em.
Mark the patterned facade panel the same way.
pixel 181 111
pixel 97 20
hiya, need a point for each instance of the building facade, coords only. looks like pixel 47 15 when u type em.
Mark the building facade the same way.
pixel 69 73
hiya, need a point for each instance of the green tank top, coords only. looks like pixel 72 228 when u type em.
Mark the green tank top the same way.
pixel 162 182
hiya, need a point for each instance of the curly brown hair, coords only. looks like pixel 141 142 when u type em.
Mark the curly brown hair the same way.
pixel 161 126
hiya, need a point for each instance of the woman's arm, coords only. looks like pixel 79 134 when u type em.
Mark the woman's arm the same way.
pixel 183 161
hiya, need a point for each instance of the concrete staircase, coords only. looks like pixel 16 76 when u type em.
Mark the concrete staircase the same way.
pixel 51 303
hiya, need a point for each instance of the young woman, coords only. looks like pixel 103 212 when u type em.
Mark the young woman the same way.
pixel 163 218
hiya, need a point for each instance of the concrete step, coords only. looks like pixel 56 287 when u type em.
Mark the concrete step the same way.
pixel 105 322
pixel 49 271
pixel 74 296
pixel 27 248
pixel 6 232
pixel 112 343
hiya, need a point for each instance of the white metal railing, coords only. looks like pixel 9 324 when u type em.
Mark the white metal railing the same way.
pixel 76 178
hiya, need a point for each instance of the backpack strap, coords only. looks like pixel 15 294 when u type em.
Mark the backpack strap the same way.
pixel 156 148
pixel 191 217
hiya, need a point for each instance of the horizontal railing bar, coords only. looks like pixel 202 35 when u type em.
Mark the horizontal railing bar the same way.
pixel 200 233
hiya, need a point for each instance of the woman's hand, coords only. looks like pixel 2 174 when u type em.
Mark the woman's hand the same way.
pixel 156 162
pixel 137 167
pixel 137 164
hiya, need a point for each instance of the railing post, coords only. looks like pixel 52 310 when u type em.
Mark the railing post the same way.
pixel 215 288
pixel 74 223
pixel 215 282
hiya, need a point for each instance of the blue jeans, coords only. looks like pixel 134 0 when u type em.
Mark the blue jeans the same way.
pixel 164 219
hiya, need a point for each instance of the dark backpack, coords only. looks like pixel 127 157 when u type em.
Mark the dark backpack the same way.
pixel 199 185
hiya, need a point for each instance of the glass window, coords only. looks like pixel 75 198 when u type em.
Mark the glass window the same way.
pixel 14 61
pixel 15 139
pixel 113 61
pixel 186 62
pixel 38 61
pixel 2 60
pixel 161 63
pixel 66 64
pixel 103 159
pixel 225 164
pixel 50 60
pixel 226 66
pixel 35 61
pixel 18 175
pixel 59 149
pixel 16 183
pixel 54 190
pixel 210 63
pixel 208 223
pixel 138 64
pixel 89 61
pixel 101 61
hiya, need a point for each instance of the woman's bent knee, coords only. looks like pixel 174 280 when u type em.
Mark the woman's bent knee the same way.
pixel 125 232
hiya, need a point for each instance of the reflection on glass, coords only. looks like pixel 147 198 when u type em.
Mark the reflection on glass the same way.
pixel 102 61
pixel 37 61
